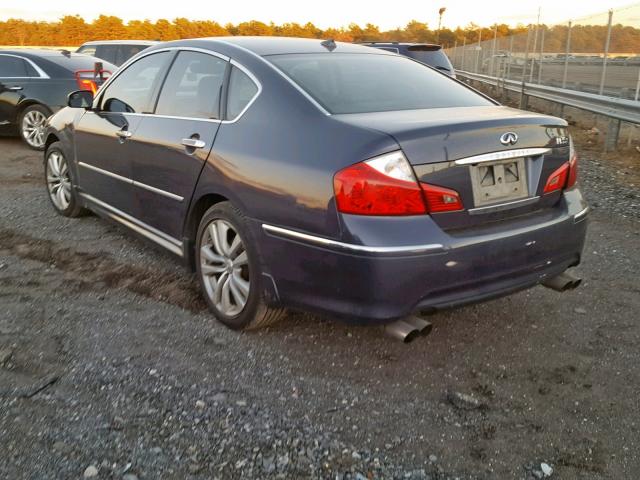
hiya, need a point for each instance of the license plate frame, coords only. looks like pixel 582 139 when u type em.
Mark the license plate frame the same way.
pixel 497 182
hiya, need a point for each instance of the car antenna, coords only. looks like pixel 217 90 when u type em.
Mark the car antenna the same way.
pixel 329 44
pixel 65 52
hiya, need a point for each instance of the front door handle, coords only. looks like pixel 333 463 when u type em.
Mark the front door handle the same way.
pixel 15 88
pixel 193 143
pixel 124 134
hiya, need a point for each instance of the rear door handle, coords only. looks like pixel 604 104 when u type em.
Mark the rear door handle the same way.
pixel 15 88
pixel 193 143
pixel 124 134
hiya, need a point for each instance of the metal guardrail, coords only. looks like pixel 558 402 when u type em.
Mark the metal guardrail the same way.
pixel 612 107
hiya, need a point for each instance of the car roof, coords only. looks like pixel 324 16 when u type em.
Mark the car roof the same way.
pixel 264 46
pixel 49 53
pixel 120 42
pixel 435 46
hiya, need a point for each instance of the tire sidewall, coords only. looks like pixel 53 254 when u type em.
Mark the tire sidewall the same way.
pixel 73 202
pixel 225 211
pixel 40 108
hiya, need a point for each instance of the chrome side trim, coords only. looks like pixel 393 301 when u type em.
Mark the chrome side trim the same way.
pixel 503 206
pixel 326 242
pixel 132 182
pixel 581 215
pixel 106 172
pixel 504 155
pixel 136 225
pixel 173 196
pixel 41 73
pixel 280 72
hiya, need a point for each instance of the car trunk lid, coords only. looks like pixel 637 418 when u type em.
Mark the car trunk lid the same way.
pixel 438 143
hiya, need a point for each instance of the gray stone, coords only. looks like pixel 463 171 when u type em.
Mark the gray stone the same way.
pixel 90 472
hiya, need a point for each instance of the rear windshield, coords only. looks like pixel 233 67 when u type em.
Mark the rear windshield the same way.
pixel 435 58
pixel 362 83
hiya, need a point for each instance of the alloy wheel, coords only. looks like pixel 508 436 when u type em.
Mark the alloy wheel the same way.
pixel 58 180
pixel 224 267
pixel 33 127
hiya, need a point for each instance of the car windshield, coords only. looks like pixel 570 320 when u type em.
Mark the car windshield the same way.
pixel 363 83
pixel 435 58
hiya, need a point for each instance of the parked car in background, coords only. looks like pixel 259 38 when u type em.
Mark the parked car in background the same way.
pixel 35 83
pixel 321 175
pixel 431 54
pixel 115 51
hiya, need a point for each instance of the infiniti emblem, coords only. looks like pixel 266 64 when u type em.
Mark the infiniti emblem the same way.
pixel 509 138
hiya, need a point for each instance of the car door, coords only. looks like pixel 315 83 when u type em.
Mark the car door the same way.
pixel 104 135
pixel 172 145
pixel 14 84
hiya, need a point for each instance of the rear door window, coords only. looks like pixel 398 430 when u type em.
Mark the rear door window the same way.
pixel 108 53
pixel 241 91
pixel 133 90
pixel 88 50
pixel 12 67
pixel 193 86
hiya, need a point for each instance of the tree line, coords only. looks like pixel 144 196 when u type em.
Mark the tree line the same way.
pixel 72 30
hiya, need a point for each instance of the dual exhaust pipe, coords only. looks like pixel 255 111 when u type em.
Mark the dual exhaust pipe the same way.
pixel 408 329
pixel 563 282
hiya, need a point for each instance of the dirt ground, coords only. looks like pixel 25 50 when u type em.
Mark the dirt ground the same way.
pixel 110 366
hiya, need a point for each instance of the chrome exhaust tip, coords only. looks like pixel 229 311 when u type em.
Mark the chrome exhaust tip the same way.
pixel 423 326
pixel 402 330
pixel 563 282
pixel 408 329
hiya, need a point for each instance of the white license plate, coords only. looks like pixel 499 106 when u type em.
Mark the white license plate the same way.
pixel 499 182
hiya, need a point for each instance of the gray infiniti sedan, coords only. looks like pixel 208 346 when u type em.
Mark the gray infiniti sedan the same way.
pixel 322 176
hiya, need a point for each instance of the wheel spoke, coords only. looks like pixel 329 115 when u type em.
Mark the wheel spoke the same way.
pixel 241 260
pixel 223 230
pixel 227 306
pixel 235 246
pixel 241 284
pixel 208 254
pixel 217 295
pixel 60 197
pixel 239 298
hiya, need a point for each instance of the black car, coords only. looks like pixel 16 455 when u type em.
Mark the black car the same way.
pixel 323 176
pixel 428 53
pixel 115 52
pixel 35 83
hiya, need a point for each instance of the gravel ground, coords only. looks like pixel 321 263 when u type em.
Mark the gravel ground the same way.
pixel 111 368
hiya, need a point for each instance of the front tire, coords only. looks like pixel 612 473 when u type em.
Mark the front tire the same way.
pixel 60 185
pixel 229 272
pixel 33 121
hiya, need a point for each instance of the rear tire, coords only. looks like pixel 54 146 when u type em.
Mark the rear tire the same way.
pixel 60 184
pixel 31 125
pixel 229 271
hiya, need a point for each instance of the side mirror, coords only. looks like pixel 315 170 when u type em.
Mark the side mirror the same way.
pixel 80 99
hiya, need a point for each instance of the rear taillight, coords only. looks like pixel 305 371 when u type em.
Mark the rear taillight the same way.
pixel 566 175
pixel 558 179
pixel 440 199
pixel 90 79
pixel 384 185
pixel 573 165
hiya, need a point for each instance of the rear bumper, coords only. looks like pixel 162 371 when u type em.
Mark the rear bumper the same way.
pixel 371 282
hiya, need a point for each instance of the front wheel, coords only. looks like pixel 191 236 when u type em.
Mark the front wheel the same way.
pixel 229 270
pixel 60 182
pixel 33 122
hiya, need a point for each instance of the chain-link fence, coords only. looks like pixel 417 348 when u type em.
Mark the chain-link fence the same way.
pixel 598 54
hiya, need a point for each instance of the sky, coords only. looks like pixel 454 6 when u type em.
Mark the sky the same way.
pixel 323 13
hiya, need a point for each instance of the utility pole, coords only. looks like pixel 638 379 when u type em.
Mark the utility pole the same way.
pixel 606 53
pixel 535 44
pixel 440 13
